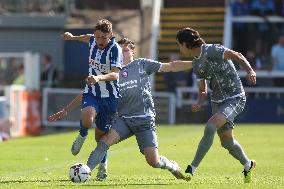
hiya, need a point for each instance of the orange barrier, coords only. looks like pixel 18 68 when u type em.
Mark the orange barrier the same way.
pixel 25 111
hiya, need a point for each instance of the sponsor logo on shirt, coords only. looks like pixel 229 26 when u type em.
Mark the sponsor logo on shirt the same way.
pixel 124 74
pixel 97 66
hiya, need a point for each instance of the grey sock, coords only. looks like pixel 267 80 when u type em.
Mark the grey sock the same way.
pixel 164 163
pixel 204 144
pixel 236 150
pixel 97 155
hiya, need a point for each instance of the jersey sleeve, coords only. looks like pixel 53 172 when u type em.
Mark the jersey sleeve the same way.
pixel 151 66
pixel 116 57
pixel 198 77
pixel 216 51
pixel 92 40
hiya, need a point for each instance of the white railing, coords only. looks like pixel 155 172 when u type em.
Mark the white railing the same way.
pixel 31 62
pixel 264 74
pixel 192 92
pixel 46 111
pixel 171 105
pixel 230 20
pixel 54 99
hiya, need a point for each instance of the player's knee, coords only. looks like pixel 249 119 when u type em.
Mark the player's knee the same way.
pixel 153 162
pixel 210 130
pixel 227 144
pixel 87 122
pixel 111 137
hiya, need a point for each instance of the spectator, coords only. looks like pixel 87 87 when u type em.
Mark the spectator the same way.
pixel 48 74
pixel 279 4
pixel 240 8
pixel 20 79
pixel 277 54
pixel 263 8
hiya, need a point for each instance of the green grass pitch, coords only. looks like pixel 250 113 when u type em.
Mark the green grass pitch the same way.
pixel 44 161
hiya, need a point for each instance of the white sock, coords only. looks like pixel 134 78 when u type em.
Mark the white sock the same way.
pixel 164 163
pixel 193 169
pixel 247 165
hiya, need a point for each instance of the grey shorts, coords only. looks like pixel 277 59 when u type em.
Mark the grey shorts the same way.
pixel 143 128
pixel 230 108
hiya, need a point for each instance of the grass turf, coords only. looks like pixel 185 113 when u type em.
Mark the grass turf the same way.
pixel 44 161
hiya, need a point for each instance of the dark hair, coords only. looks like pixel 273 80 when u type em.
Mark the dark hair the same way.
pixel 127 42
pixel 104 26
pixel 47 57
pixel 190 37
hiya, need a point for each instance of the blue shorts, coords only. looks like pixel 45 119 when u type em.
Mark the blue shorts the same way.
pixel 105 107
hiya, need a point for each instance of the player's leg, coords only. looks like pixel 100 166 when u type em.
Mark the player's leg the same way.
pixel 146 137
pixel 103 145
pixel 215 122
pixel 88 114
pixel 158 161
pixel 104 120
pixel 117 133
pixel 231 109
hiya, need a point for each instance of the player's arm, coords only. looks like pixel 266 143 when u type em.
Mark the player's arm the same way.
pixel 242 61
pixel 176 66
pixel 112 76
pixel 82 38
pixel 67 109
pixel 202 95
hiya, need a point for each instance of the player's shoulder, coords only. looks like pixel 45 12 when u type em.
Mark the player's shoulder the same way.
pixel 146 60
pixel 91 38
pixel 114 46
pixel 213 48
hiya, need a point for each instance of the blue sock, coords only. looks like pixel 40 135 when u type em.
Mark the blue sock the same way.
pixel 83 131
pixel 105 158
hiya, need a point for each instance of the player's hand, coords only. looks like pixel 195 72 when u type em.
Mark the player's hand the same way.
pixel 251 77
pixel 67 36
pixel 196 107
pixel 92 79
pixel 57 116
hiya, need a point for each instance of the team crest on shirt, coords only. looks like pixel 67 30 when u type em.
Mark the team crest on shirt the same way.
pixel 124 73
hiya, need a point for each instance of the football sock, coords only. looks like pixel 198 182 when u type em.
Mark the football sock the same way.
pixel 236 150
pixel 97 155
pixel 105 158
pixel 247 166
pixel 204 144
pixel 193 169
pixel 83 131
pixel 164 163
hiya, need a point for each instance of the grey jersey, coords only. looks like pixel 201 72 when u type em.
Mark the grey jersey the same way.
pixel 221 74
pixel 135 89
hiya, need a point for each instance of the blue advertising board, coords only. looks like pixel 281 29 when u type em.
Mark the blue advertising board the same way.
pixel 76 55
pixel 261 110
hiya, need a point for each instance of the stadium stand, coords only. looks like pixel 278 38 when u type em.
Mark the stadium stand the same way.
pixel 208 20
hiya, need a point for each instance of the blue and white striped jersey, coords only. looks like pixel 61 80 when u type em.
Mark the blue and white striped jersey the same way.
pixel 100 63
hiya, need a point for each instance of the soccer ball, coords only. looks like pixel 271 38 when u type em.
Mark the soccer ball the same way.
pixel 79 172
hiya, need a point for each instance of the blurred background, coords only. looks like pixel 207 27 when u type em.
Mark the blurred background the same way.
pixel 40 73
